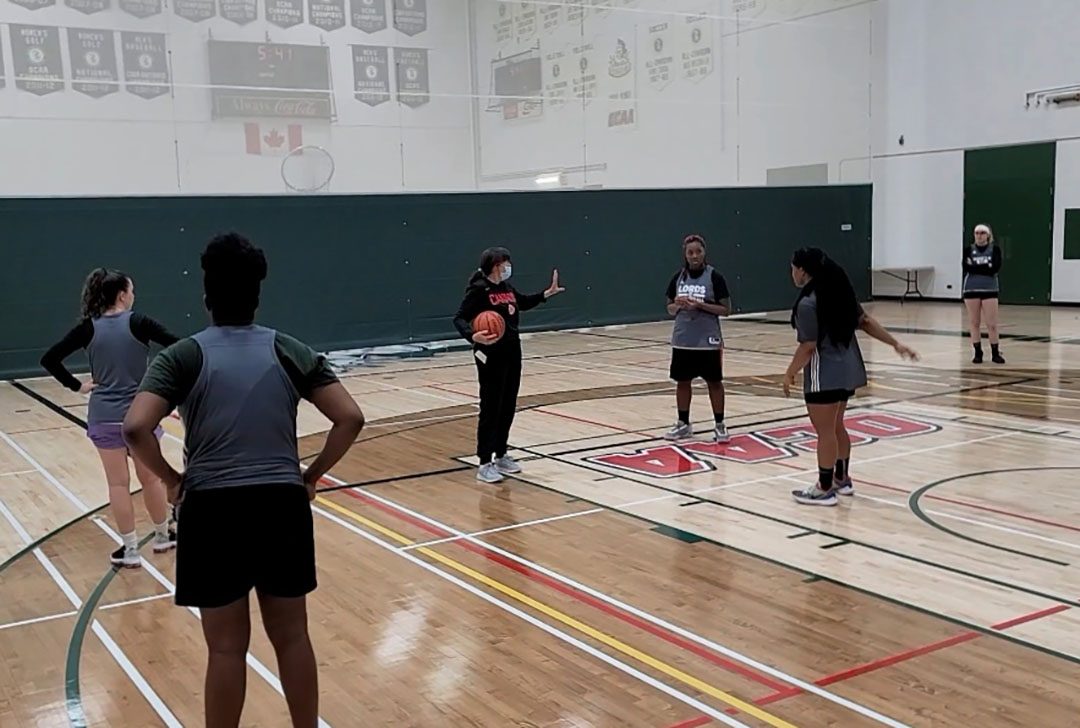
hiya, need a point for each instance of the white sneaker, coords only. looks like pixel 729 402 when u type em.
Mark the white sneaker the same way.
pixel 814 496
pixel 126 558
pixel 507 465
pixel 721 435
pixel 164 543
pixel 488 473
pixel 680 431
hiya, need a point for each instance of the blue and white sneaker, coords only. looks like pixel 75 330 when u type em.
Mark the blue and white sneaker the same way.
pixel 814 496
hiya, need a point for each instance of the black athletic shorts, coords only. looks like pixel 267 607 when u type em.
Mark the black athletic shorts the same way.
pixel 981 295
pixel 689 364
pixel 829 396
pixel 232 540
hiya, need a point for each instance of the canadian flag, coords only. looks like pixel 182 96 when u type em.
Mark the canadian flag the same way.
pixel 274 140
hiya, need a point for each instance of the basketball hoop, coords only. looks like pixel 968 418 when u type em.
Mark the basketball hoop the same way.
pixel 307 168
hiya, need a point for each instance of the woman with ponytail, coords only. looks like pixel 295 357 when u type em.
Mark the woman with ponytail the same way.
pixel 116 340
pixel 826 316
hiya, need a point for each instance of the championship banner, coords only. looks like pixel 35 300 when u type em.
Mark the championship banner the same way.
pixel 368 15
pixel 585 72
pixel 141 8
pixel 575 11
pixel 697 53
pixel 146 72
pixel 410 16
pixel 621 86
pixel 240 12
pixel 550 17
pixel 93 62
pixel 658 55
pixel 88 7
pixel 284 13
pixel 371 74
pixel 524 20
pixel 34 4
pixel 38 65
pixel 327 14
pixel 557 75
pixel 503 26
pixel 412 76
pixel 195 10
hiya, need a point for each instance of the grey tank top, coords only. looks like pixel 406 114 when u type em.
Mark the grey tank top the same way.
pixel 696 329
pixel 831 366
pixel 117 364
pixel 981 281
pixel 240 417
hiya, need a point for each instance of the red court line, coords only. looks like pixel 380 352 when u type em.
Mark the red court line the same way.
pixel 585 421
pixel 578 595
pixel 451 391
pixel 888 661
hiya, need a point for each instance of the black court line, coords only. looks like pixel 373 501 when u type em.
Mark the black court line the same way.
pixel 841 542
pixel 812 576
pixel 801 535
pixel 916 508
pixel 828 534
pixel 41 399
pixel 951 333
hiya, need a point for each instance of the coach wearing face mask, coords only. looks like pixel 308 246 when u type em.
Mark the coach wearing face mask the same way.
pixel 498 358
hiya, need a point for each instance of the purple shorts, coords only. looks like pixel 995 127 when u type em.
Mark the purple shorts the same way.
pixel 110 435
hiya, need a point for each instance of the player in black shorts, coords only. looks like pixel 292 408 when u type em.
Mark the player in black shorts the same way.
pixel 244 518
pixel 826 316
pixel 697 296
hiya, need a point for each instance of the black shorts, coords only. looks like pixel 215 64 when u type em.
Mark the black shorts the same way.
pixel 689 364
pixel 232 540
pixel 829 396
pixel 980 295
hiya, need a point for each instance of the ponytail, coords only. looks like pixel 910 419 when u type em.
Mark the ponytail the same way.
pixel 837 304
pixel 100 291
pixel 488 260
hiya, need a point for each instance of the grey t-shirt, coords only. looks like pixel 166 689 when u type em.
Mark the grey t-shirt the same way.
pixel 831 366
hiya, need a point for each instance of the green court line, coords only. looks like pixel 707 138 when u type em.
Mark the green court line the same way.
pixel 72 690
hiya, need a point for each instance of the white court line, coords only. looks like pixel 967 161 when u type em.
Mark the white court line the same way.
pixel 252 661
pixel 761 667
pixel 554 632
pixel 500 529
pixel 62 615
pixel 17 472
pixel 974 521
pixel 83 508
pixel 130 670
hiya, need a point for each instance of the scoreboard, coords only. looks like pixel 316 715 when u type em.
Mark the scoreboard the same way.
pixel 269 79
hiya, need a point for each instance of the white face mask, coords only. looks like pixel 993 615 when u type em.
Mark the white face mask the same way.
pixel 506 271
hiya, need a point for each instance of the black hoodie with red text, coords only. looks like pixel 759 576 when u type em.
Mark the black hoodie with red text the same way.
pixel 502 298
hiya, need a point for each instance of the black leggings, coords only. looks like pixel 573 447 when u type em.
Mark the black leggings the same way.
pixel 500 380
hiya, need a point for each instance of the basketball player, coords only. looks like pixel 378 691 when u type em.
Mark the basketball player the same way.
pixel 498 360
pixel 697 297
pixel 245 520
pixel 825 317
pixel 982 262
pixel 117 342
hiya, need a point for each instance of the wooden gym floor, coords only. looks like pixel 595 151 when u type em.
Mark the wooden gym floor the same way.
pixel 620 581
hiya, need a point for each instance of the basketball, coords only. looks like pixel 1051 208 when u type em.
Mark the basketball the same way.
pixel 491 322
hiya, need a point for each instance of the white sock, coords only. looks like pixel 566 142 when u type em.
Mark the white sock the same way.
pixel 162 529
pixel 131 541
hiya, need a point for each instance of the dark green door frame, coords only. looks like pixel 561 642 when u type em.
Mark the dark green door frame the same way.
pixel 1011 189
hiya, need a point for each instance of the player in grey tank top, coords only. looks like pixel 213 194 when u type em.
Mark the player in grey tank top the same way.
pixel 697 296
pixel 117 342
pixel 245 519
pixel 826 316
pixel 982 263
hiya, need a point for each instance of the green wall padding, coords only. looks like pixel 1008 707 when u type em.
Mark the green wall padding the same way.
pixel 349 271
pixel 1072 235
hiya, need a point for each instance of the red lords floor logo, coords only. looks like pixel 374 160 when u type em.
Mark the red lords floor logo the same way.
pixel 777 443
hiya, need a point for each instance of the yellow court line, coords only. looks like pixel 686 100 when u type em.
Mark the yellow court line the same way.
pixel 569 621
